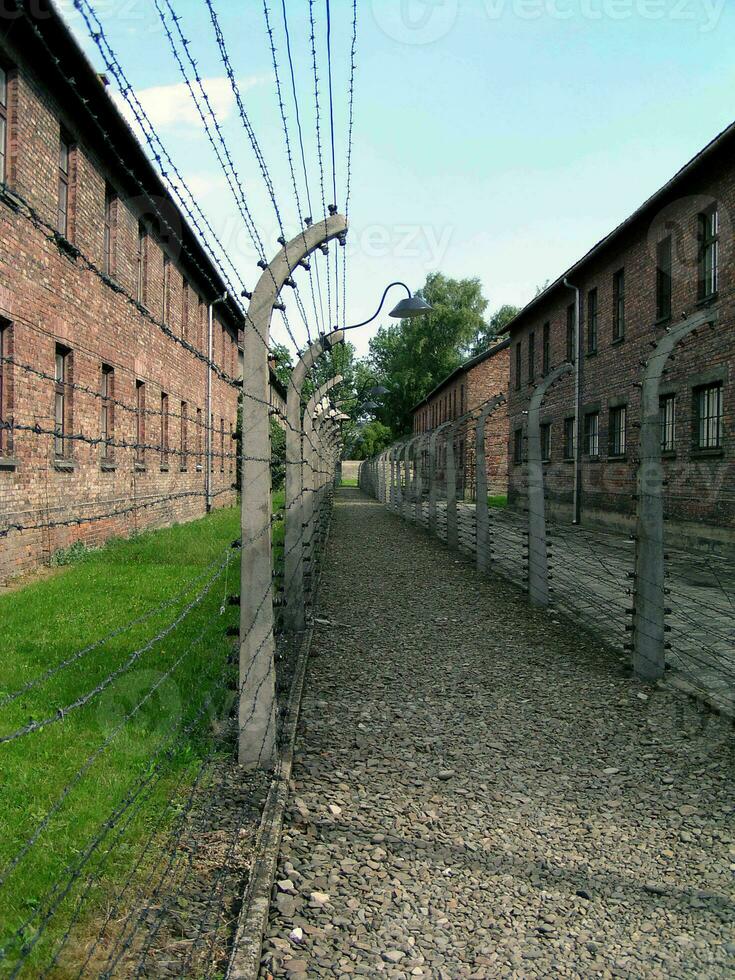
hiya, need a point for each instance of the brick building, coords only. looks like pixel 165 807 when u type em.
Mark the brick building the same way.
pixel 104 301
pixel 672 258
pixel 467 388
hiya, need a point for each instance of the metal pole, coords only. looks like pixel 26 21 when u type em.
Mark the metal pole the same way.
pixel 257 689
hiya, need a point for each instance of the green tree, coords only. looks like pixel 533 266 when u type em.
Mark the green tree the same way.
pixel 495 327
pixel 371 438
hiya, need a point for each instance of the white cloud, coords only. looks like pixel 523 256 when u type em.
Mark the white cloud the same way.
pixel 172 105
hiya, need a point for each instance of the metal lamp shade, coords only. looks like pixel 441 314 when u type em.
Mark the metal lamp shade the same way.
pixel 411 306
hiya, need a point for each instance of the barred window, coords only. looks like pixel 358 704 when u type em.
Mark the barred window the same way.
pixel 140 421
pixel 709 248
pixel 570 333
pixel 62 402
pixel 164 429
pixel 708 416
pixel 141 259
pixel 3 125
pixel 619 305
pixel 108 253
pixel 569 438
pixel 545 430
pixel 6 391
pixel 166 289
pixel 531 356
pixel 62 218
pixel 592 433
pixel 183 446
pixel 546 350
pixel 617 434
pixel 107 426
pixel 518 446
pixel 663 279
pixel 221 445
pixel 667 412
pixel 199 438
pixel 592 321
pixel 518 365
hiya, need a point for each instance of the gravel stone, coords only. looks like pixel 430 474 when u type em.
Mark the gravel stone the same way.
pixel 509 805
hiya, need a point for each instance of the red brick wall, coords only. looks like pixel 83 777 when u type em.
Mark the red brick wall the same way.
pixel 48 297
pixel 701 486
pixel 464 392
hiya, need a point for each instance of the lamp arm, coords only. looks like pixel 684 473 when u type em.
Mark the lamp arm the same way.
pixel 353 326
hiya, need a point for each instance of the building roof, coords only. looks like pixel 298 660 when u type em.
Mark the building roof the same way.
pixel 59 62
pixel 463 369
pixel 654 201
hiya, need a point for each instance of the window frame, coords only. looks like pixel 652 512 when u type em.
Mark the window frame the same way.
pixel 546 349
pixel 664 281
pixel 140 398
pixel 109 228
pixel 66 147
pixel 141 263
pixel 107 411
pixel 518 446
pixel 6 388
pixel 569 432
pixel 593 312
pixel 570 333
pixel 617 436
pixel 164 446
pixel 667 425
pixel 618 334
pixel 62 401
pixel 545 440
pixel 531 356
pixel 184 438
pixel 592 438
pixel 699 392
pixel 4 123
pixel 518 365
pixel 708 240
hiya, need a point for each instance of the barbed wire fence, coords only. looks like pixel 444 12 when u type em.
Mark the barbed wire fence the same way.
pixel 664 607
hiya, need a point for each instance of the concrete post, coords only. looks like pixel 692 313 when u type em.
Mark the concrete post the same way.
pixel 482 514
pixel 452 535
pixel 433 437
pixel 410 496
pixel 649 658
pixel 257 688
pixel 538 556
pixel 293 554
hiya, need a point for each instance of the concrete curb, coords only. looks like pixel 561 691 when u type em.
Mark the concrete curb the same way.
pixel 253 919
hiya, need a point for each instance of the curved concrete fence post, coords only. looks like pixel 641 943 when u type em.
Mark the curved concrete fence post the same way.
pixel 392 494
pixel 538 554
pixel 432 466
pixel 452 536
pixel 257 680
pixel 482 511
pixel 649 652
pixel 294 504
pixel 409 461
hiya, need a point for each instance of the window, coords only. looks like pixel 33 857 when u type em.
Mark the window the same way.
pixel 546 350
pixel 708 416
pixel 545 430
pixel 164 430
pixel 183 458
pixel 619 305
pixel 569 438
pixel 142 261
pixel 518 366
pixel 224 348
pixel 107 427
pixel 592 433
pixel 201 320
pixel 232 461
pixel 140 422
pixel 518 446
pixel 531 357
pixel 667 416
pixel 221 445
pixel 571 344
pixel 617 434
pixel 663 279
pixel 592 321
pixel 3 125
pixel 166 289
pixel 185 310
pixel 199 438
pixel 65 151
pixel 709 239
pixel 62 402
pixel 108 256
pixel 6 401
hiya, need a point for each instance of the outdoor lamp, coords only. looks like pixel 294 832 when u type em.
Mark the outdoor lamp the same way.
pixel 377 391
pixel 409 307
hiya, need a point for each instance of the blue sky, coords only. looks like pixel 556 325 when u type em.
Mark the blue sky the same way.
pixel 492 138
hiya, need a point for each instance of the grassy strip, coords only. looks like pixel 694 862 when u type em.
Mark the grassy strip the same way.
pixel 497 500
pixel 43 625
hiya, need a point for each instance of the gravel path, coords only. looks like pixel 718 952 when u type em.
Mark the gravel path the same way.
pixel 481 790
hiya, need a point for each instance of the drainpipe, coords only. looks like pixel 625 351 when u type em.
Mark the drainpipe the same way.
pixel 577 494
pixel 209 420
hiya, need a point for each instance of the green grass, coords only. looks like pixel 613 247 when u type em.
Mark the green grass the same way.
pixel 47 622
pixel 349 481
pixel 497 500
